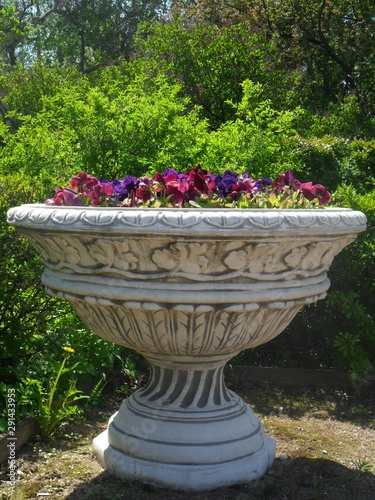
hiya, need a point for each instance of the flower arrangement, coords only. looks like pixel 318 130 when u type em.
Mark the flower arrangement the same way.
pixel 194 188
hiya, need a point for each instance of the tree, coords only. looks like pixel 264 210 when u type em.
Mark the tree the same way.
pixel 19 21
pixel 72 32
pixel 330 42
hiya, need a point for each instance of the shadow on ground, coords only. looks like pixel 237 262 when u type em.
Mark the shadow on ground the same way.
pixel 292 479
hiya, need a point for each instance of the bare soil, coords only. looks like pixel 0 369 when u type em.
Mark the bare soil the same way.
pixel 325 449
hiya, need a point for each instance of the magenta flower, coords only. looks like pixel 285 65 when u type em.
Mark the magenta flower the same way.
pixel 177 189
pixel 311 192
pixel 198 180
pixel 247 185
pixel 143 193
pixel 322 194
pixel 66 196
pixel 286 180
pixel 84 181
pixel 99 193
pixel 144 189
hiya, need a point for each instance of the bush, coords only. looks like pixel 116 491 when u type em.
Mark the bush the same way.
pixel 332 161
pixel 260 140
pixel 34 327
pixel 133 129
pixel 338 332
pixel 211 63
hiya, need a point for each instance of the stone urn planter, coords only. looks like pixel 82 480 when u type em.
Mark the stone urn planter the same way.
pixel 188 289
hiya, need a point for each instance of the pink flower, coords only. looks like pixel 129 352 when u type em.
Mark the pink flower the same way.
pixel 66 196
pixel 247 185
pixel 178 189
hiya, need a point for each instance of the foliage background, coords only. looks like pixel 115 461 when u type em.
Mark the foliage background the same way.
pixel 133 87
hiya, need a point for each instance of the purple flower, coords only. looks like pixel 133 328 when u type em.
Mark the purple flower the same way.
pixel 263 184
pixel 122 188
pixel 226 182
pixel 170 171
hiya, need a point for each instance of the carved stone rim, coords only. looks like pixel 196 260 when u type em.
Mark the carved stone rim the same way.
pixel 180 220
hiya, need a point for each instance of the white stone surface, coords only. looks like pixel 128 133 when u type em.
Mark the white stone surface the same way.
pixel 187 477
pixel 189 289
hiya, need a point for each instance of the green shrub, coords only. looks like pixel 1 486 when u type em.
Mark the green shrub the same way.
pixel 338 332
pixel 142 126
pixel 345 119
pixel 331 161
pixel 211 63
pixel 24 88
pixel 34 327
pixel 260 140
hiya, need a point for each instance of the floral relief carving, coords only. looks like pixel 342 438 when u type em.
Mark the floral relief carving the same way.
pixel 194 261
pixel 70 251
pixel 46 252
pixel 255 259
pixel 58 249
pixel 264 258
pixel 295 257
pixel 334 248
pixel 184 257
pixel 314 255
pixel 113 254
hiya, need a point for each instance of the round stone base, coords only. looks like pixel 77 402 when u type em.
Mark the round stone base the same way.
pixel 185 477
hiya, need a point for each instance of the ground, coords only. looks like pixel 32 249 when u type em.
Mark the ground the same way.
pixel 325 449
